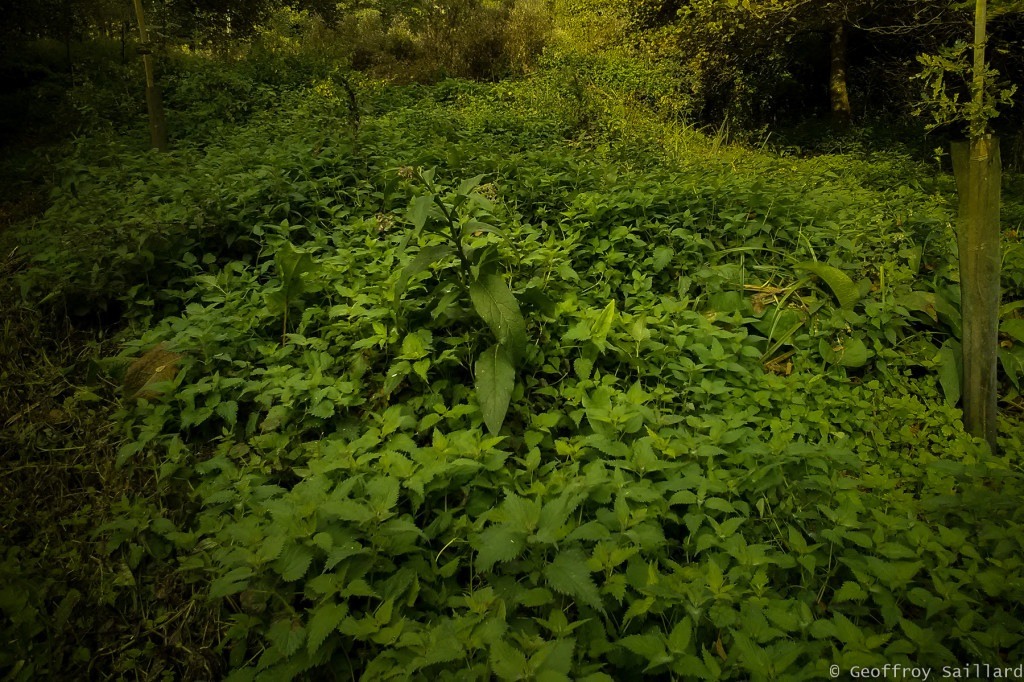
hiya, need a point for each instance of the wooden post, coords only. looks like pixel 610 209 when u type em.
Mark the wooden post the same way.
pixel 154 104
pixel 977 170
pixel 976 166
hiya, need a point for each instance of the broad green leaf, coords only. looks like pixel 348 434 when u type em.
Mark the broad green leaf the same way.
pixel 603 324
pixel 950 372
pixel 650 647
pixel 326 618
pixel 1007 308
pixel 1012 362
pixel 523 513
pixel 346 510
pixel 842 286
pixel 662 257
pixel 947 306
pixel 286 635
pixel 921 301
pixel 473 226
pixel 427 256
pixel 754 658
pixel 1013 328
pixel 496 306
pixel 851 352
pixel 554 657
pixel 568 574
pixel 383 493
pixel 485 261
pixel 850 591
pixel 495 380
pixel 293 562
pixel 554 516
pixel 234 581
pixel 508 662
pixel 444 644
pixel 228 411
pixel 583 367
pixel 679 638
pixel 277 301
pixel 469 184
pixel 419 211
pixel 292 263
pixel 535 298
pixel 496 544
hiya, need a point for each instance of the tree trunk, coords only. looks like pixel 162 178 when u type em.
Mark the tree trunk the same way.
pixel 839 95
pixel 154 103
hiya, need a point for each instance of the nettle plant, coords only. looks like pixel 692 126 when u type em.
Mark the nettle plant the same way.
pixel 456 223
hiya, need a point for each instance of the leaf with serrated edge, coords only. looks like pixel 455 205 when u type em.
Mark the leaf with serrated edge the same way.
pixel 496 544
pixel 850 591
pixel 325 619
pixel 568 574
pixel 508 662
pixel 294 562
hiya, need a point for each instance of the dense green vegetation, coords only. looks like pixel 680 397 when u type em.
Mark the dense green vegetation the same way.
pixel 518 379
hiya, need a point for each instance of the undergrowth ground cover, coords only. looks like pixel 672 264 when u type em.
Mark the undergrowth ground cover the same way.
pixel 513 380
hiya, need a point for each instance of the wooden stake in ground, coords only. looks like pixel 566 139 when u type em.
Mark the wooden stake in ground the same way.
pixel 977 170
pixel 154 104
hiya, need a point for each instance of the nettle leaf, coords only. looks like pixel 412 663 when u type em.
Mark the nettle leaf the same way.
pixel 842 286
pixel 383 492
pixel 754 658
pixel 228 411
pixel 552 520
pixel 568 574
pixel 508 662
pixel 679 638
pixel 496 544
pixel 347 510
pixel 662 257
pixel 232 582
pixel 522 513
pixel 287 636
pixel 496 306
pixel 650 647
pixel 850 591
pixel 325 620
pixel 293 562
pixel 495 380
pixel 554 657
